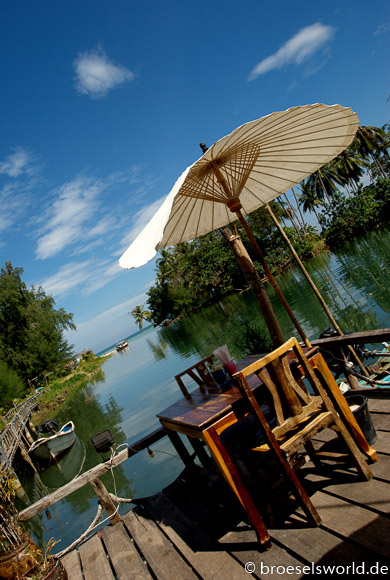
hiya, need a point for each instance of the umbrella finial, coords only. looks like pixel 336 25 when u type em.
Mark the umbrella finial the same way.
pixel 203 147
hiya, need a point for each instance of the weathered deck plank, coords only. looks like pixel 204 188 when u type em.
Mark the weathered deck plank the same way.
pixel 357 523
pixel 382 444
pixel 207 558
pixel 124 557
pixel 162 558
pixel 72 565
pixel 94 560
pixel 317 545
pixel 276 556
pixel 373 493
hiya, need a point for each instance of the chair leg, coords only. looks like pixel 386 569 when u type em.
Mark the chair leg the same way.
pixel 312 454
pixel 297 488
pixel 357 457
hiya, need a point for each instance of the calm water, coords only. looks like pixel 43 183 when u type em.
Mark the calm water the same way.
pixel 138 382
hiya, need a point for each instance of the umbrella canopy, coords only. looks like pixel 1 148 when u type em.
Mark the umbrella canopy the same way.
pixel 245 170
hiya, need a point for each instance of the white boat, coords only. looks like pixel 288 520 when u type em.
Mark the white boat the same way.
pixel 121 345
pixel 51 447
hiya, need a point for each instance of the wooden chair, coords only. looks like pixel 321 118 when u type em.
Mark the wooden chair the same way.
pixel 200 374
pixel 300 414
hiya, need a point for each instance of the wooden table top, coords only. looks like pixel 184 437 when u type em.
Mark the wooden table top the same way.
pixel 204 408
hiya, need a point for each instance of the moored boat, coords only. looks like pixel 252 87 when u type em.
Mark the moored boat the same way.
pixel 46 448
pixel 121 345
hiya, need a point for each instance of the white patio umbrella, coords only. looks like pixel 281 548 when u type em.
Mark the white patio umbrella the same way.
pixel 243 171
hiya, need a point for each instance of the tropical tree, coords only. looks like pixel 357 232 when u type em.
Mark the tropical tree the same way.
pixel 31 329
pixel 139 315
pixel 350 167
pixel 324 181
pixel 308 199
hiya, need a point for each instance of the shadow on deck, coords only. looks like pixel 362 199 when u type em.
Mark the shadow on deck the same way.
pixel 195 528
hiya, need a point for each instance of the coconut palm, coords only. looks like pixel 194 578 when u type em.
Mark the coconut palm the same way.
pixel 350 167
pixel 139 315
pixel 323 181
pixel 307 199
pixel 371 143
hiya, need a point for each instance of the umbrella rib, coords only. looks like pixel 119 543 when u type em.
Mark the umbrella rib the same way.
pixel 285 135
pixel 290 122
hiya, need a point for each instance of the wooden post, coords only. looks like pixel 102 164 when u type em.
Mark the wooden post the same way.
pixel 234 205
pixel 255 283
pixel 105 500
pixel 315 289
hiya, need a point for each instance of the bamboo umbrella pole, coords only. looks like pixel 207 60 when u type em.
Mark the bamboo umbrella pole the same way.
pixel 234 204
pixel 257 287
pixel 271 277
pixel 314 287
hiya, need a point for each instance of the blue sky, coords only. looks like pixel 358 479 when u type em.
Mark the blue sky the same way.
pixel 104 104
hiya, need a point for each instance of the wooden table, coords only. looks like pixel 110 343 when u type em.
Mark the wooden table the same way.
pixel 204 417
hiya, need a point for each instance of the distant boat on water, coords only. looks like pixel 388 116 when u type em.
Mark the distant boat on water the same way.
pixel 46 448
pixel 121 345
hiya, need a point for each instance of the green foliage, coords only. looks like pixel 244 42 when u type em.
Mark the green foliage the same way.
pixel 87 356
pixel 352 216
pixel 196 274
pixel 31 339
pixel 11 385
pixel 253 339
pixel 139 315
pixel 60 389
pixel 192 275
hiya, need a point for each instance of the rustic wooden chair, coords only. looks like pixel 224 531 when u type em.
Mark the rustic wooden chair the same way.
pixel 200 374
pixel 300 414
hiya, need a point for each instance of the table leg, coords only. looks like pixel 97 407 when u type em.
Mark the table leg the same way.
pixel 199 449
pixel 228 469
pixel 181 449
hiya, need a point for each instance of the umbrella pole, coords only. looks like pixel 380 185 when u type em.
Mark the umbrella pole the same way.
pixel 257 287
pixel 271 277
pixel 314 287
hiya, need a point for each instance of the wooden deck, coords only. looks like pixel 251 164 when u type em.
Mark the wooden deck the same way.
pixel 195 529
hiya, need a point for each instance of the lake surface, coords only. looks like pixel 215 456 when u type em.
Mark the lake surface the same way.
pixel 138 382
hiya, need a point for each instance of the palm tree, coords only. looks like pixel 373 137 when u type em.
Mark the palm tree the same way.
pixel 323 181
pixel 139 315
pixel 302 221
pixel 350 167
pixel 292 215
pixel 308 199
pixel 371 143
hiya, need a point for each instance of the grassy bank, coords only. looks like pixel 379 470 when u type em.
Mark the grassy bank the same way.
pixel 59 391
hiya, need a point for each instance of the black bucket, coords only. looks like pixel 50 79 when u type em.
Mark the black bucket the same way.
pixel 359 408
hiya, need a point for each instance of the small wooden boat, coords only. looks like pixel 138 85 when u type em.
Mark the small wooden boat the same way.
pixel 50 447
pixel 121 345
pixel 66 467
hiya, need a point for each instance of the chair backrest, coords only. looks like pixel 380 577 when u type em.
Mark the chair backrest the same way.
pixel 291 398
pixel 200 374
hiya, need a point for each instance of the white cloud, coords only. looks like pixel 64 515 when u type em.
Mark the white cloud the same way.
pixel 16 163
pixel 298 49
pixel 383 28
pixel 83 277
pixel 15 199
pixel 96 74
pixel 68 277
pixel 75 204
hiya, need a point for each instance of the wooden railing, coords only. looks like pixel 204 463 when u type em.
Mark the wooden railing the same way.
pixel 16 419
pixel 92 477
